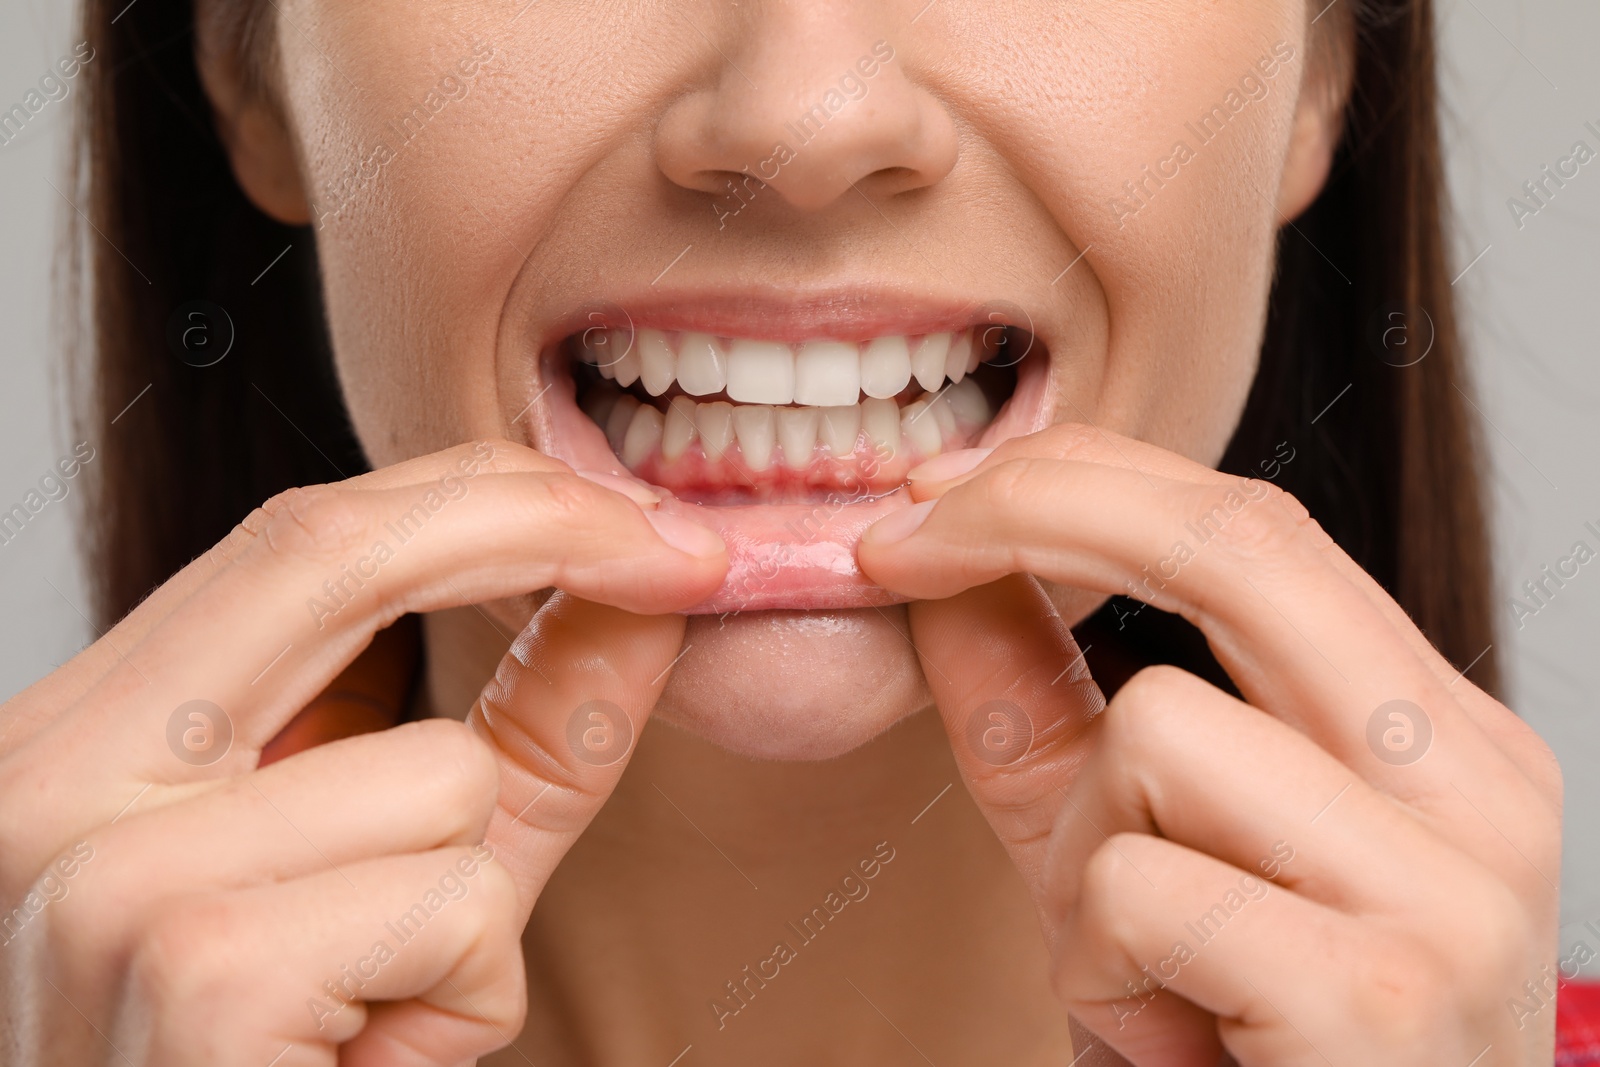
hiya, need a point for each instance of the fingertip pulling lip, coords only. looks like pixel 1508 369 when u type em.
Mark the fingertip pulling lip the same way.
pixel 783 552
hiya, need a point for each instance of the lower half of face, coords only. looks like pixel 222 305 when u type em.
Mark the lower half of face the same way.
pixel 766 259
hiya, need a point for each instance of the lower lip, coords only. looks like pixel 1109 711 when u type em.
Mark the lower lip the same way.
pixel 799 556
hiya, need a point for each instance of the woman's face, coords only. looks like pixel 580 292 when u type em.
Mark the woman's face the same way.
pixel 788 227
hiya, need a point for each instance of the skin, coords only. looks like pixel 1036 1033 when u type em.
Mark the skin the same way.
pixel 582 157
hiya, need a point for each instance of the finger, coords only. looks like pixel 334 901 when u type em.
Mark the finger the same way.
pixel 416 787
pixel 1180 759
pixel 437 928
pixel 1017 700
pixel 1301 642
pixel 564 712
pixel 1158 921
pixel 509 534
pixel 35 706
pixel 1076 441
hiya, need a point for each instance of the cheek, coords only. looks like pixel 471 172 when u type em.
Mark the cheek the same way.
pixel 1129 123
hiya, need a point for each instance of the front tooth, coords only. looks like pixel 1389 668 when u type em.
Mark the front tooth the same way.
pixel 927 362
pixel 643 436
pixel 827 373
pixel 885 367
pixel 679 432
pixel 619 420
pixel 955 361
pixel 760 372
pixel 840 428
pixel 797 435
pixel 755 425
pixel 715 421
pixel 968 403
pixel 656 361
pixel 881 419
pixel 921 429
pixel 702 364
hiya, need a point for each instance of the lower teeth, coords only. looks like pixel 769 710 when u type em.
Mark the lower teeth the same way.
pixel 761 436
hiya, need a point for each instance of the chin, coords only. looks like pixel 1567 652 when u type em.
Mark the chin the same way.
pixel 795 685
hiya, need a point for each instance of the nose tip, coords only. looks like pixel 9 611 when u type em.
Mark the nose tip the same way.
pixel 813 123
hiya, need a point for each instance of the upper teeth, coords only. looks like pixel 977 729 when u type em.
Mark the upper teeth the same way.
pixel 815 373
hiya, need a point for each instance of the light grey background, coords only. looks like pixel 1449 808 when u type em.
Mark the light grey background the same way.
pixel 1520 81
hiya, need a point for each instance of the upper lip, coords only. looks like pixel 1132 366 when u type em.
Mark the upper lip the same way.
pixel 765 313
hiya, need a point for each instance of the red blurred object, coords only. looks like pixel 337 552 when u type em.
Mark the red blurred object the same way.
pixel 1578 1024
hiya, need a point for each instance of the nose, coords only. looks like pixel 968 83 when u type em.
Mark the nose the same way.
pixel 809 102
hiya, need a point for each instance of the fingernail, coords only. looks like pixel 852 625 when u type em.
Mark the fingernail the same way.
pixel 950 465
pixel 899 526
pixel 639 494
pixel 686 536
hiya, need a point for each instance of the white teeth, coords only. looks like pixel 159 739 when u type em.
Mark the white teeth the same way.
pixel 827 373
pixel 921 428
pixel 840 428
pixel 619 420
pixel 656 360
pixel 702 364
pixel 625 368
pixel 927 360
pixel 968 403
pixel 881 419
pixel 715 421
pixel 643 436
pixel 955 361
pixel 797 435
pixel 755 425
pixel 760 372
pixel 679 432
pixel 788 398
pixel 885 367
pixel 593 348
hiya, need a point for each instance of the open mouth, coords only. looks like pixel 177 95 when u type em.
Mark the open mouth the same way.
pixel 788 449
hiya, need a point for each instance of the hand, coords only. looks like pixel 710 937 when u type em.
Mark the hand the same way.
pixel 342 905
pixel 1267 876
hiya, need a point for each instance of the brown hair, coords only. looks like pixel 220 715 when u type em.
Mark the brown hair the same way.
pixel 1391 469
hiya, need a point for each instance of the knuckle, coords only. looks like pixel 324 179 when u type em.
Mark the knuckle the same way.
pixel 461 765
pixel 318 523
pixel 182 959
pixel 1398 992
pixel 1006 484
pixel 1261 520
pixel 1071 440
pixel 567 501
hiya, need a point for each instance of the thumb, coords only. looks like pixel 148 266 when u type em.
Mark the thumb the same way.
pixel 1018 702
pixel 562 715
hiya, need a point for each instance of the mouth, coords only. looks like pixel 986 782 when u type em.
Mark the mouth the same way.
pixel 788 433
